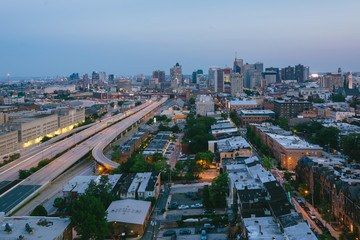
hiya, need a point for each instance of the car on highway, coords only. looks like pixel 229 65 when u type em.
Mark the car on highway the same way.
pixel 184 231
pixel 169 233
pixel 183 207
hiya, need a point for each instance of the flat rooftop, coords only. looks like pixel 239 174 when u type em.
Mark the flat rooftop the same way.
pixel 128 211
pixel 42 227
pixel 263 228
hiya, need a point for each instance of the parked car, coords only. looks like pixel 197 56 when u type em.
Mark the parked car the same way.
pixel 196 205
pixel 209 226
pixel 203 235
pixel 298 199
pixel 302 204
pixel 312 216
pixel 307 210
pixel 185 231
pixel 183 207
pixel 169 233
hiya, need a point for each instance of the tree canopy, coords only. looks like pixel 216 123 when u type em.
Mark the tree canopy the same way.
pixel 88 216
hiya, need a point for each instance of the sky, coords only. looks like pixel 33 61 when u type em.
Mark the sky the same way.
pixel 125 37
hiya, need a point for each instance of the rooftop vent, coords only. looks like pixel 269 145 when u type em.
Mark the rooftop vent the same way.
pixel 28 228
pixel 8 228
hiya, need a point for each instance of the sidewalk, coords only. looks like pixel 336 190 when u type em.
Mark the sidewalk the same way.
pixel 333 232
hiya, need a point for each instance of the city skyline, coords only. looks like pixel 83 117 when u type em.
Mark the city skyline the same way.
pixel 49 38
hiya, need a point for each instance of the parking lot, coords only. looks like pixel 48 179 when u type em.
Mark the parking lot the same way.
pixel 211 236
pixel 181 199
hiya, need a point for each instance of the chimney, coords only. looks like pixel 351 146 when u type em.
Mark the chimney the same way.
pixel 260 230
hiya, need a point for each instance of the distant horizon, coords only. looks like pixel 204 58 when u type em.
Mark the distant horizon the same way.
pixel 130 37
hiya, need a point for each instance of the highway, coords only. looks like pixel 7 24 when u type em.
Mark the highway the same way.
pixel 110 134
pixel 10 171
pixel 14 197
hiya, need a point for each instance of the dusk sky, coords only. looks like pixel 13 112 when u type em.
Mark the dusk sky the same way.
pixel 59 37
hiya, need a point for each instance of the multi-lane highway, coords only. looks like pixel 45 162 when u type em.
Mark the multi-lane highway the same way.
pixel 110 134
pixel 41 178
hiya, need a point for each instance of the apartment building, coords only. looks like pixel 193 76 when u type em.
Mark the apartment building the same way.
pixel 333 181
pixel 290 109
pixel 254 116
pixel 287 148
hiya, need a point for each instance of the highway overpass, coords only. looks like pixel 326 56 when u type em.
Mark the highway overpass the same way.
pixel 28 187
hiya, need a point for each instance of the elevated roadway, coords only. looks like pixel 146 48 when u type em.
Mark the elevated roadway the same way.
pixel 31 185
pixel 110 134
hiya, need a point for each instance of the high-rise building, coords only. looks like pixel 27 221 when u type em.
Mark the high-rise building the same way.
pixel 299 73
pixel 159 75
pixel 74 76
pixel 259 67
pixel 102 77
pixel 276 70
pixel 289 73
pixel 201 81
pixel 247 67
pixel 194 75
pixel 236 80
pixel 212 78
pixel 332 81
pixel 95 77
pixel 140 77
pixel 306 73
pixel 238 65
pixel 111 78
pixel 350 81
pixel 176 76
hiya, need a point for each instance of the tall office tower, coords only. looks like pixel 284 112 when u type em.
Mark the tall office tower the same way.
pixel 339 70
pixel 140 77
pixel 306 73
pixel 111 78
pixel 236 80
pixel 219 85
pixel 238 65
pixel 270 76
pixel 212 78
pixel 299 73
pixel 276 70
pixel 176 76
pixel 332 81
pixel 102 77
pixel 247 67
pixel 226 80
pixel 201 81
pixel 195 73
pixel 159 75
pixel 95 77
pixel 74 76
pixel 350 81
pixel 259 67
pixel 289 73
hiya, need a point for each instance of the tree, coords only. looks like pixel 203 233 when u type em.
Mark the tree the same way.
pixel 44 139
pixel 120 103
pixel 101 190
pixel 137 103
pixel 328 137
pixel 287 176
pixel 219 189
pixel 179 166
pixel 88 216
pixel 207 156
pixel 351 146
pixel 192 101
pixel 234 118
pixel 338 98
pixel 112 104
pixel 206 197
pixel 283 123
pixel 39 211
pixel 266 161
pixel 59 203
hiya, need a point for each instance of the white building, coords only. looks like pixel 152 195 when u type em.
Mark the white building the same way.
pixel 204 104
